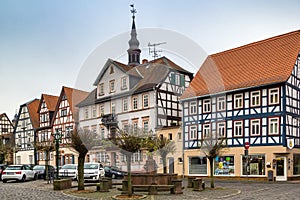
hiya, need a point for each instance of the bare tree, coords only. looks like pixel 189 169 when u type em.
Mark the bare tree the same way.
pixel 213 146
pixel 164 146
pixel 129 141
pixel 82 140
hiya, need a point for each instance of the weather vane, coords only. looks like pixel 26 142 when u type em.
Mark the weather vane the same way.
pixel 133 10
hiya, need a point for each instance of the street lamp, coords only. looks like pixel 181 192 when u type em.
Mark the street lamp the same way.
pixel 57 136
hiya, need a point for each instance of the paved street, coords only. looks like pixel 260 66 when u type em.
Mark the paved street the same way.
pixel 226 190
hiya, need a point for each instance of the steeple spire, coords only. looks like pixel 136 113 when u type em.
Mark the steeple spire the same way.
pixel 133 51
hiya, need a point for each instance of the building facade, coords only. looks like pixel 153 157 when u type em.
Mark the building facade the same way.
pixel 44 140
pixel 64 121
pixel 143 95
pixel 7 139
pixel 25 131
pixel 250 94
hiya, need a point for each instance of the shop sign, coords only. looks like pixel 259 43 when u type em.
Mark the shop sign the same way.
pixel 290 143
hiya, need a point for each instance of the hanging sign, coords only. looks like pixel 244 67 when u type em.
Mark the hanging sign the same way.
pixel 290 143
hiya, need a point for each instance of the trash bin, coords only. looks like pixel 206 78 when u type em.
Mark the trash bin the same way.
pixel 270 175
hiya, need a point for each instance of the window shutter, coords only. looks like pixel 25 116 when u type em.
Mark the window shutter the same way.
pixel 182 80
pixel 172 78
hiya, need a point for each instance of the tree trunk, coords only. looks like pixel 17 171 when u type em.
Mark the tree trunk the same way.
pixel 128 159
pixel 47 166
pixel 212 178
pixel 81 171
pixel 164 160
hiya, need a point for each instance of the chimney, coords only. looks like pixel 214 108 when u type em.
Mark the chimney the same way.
pixel 144 61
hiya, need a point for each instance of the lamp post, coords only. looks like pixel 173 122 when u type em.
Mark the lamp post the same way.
pixel 57 136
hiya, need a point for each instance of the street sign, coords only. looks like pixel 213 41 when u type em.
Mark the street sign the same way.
pixel 247 145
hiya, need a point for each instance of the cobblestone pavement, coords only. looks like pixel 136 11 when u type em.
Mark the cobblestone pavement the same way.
pixel 224 190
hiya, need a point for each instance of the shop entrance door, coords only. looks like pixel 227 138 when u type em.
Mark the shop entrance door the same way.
pixel 281 169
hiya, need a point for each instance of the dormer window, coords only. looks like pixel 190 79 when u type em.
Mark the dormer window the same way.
pixel 124 83
pixel 101 89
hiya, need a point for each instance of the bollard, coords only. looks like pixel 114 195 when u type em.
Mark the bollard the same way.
pixel 190 182
pixel 177 187
pixel 197 184
pixel 102 186
pixel 124 187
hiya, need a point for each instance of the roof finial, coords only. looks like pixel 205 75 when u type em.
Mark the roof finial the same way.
pixel 133 10
pixel 133 51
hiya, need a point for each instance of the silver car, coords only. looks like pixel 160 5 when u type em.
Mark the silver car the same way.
pixel 19 173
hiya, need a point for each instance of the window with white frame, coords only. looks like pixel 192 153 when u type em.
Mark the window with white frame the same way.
pixel 238 128
pixel 112 86
pixel 63 112
pixel 206 106
pixel 193 107
pixel 238 101
pixel 124 83
pixel 273 126
pixel 145 101
pixel 135 103
pixel 135 126
pixel 221 129
pixel 101 89
pixel 255 98
pixel 101 110
pixel 193 132
pixel 125 104
pixel 221 103
pixel 113 107
pixel 146 125
pixel 255 127
pixel 86 113
pixel 206 130
pixel 94 111
pixel 273 96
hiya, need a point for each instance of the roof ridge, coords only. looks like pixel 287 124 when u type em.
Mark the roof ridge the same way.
pixel 256 43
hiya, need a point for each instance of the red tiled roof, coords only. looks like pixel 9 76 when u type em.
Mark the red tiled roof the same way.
pixel 50 101
pixel 74 96
pixel 33 112
pixel 260 63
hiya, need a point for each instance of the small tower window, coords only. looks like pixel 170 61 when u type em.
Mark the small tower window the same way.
pixel 111 70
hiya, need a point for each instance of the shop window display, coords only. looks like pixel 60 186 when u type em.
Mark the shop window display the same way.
pixel 224 165
pixel 296 164
pixel 255 164
pixel 198 165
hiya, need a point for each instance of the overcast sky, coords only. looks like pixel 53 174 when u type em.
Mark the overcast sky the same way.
pixel 44 43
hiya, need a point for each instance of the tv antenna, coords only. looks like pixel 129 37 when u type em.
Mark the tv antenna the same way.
pixel 153 50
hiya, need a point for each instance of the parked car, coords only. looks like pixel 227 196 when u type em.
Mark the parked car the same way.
pixel 68 171
pixel 113 172
pixel 19 173
pixel 2 168
pixel 93 171
pixel 40 170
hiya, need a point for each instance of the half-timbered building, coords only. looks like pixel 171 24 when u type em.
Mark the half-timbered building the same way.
pixel 27 122
pixel 64 120
pixel 6 139
pixel 44 138
pixel 144 95
pixel 249 94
